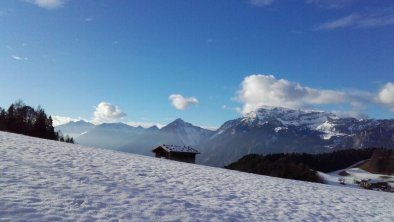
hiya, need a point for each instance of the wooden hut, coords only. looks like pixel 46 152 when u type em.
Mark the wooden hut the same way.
pixel 178 153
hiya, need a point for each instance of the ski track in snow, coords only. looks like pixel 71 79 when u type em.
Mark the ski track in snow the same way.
pixel 42 180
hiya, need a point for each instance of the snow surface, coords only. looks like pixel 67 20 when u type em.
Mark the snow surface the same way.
pixel 277 129
pixel 329 130
pixel 45 180
pixel 355 173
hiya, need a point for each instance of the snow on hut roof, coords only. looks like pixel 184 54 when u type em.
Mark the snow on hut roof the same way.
pixel 176 148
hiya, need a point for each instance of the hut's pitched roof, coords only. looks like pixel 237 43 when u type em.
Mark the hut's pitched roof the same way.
pixel 176 148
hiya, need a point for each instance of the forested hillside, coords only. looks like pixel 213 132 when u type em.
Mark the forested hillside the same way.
pixel 300 166
pixel 23 119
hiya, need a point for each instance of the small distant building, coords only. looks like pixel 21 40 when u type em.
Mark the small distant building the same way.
pixel 178 153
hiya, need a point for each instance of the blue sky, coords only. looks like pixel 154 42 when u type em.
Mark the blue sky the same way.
pixel 151 61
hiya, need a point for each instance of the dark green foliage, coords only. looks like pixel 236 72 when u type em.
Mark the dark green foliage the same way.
pixel 2 119
pixel 280 167
pixel 300 166
pixel 23 119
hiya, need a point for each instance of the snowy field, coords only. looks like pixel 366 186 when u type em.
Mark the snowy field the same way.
pixel 43 180
pixel 355 174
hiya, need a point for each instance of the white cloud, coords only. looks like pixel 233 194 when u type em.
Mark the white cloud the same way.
pixel 89 19
pixel 339 23
pixel 180 102
pixel 226 107
pixel 19 58
pixel 106 112
pixel 48 4
pixel 359 21
pixel 386 96
pixel 351 114
pixel 261 3
pixel 266 90
pixel 375 21
pixel 60 120
pixel 230 108
pixel 333 4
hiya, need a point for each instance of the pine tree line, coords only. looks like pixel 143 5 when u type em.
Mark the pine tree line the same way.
pixel 22 119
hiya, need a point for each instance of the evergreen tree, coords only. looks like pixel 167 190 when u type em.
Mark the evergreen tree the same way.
pixel 39 126
pixel 10 119
pixel 50 130
pixel 23 119
pixel 2 119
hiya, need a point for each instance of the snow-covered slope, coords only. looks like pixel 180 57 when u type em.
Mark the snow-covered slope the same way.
pixel 355 173
pixel 45 180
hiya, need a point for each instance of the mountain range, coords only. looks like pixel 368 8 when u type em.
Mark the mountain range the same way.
pixel 177 132
pixel 139 140
pixel 266 130
pixel 75 129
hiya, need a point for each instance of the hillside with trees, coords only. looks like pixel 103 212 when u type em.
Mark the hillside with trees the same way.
pixel 300 166
pixel 23 119
pixel 381 162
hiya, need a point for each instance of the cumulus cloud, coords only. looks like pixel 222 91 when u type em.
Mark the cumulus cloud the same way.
pixel 266 90
pixel 261 3
pixel 106 112
pixel 60 120
pixel 48 4
pixel 359 21
pixel 386 96
pixel 180 102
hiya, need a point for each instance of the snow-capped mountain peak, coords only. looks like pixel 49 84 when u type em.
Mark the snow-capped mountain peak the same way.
pixel 187 132
pixel 276 129
pixel 285 117
pixel 178 123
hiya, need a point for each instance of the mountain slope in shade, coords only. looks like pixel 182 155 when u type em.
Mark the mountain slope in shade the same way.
pixel 75 129
pixel 46 180
pixel 109 135
pixel 278 130
pixel 177 132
